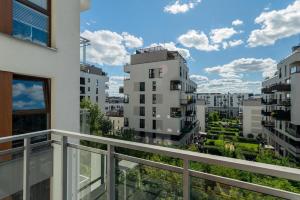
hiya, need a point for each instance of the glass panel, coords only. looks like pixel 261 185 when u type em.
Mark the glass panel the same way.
pixel 11 176
pixel 204 190
pixel 29 24
pixel 40 171
pixel 28 95
pixel 92 174
pixel 135 181
pixel 40 3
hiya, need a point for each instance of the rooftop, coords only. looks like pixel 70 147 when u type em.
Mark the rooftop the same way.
pixel 91 69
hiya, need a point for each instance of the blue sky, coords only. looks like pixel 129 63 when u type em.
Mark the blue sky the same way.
pixel 230 45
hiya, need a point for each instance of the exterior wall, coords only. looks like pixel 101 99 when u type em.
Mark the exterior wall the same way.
pixel 60 64
pixel 167 99
pixel 102 80
pixel 282 129
pixel 201 115
pixel 252 118
pixel 118 122
pixel 55 64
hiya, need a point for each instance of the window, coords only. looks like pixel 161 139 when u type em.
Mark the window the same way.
pixel 154 99
pixel 154 124
pixel 160 73
pixel 126 122
pixel 82 90
pixel 295 69
pixel 153 111
pixel 31 21
pixel 153 85
pixel 97 82
pixel 82 81
pixel 89 89
pixel 97 99
pixel 142 123
pixel 142 99
pixel 30 102
pixel 180 71
pixel 142 111
pixel 175 112
pixel 126 98
pixel 97 91
pixel 142 86
pixel 89 80
pixel 151 73
pixel 175 85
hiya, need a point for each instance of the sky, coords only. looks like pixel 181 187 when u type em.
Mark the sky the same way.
pixel 230 45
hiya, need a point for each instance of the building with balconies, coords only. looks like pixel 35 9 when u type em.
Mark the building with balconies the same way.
pixel 39 84
pixel 280 99
pixel 93 85
pixel 160 97
pixel 252 117
pixel 228 105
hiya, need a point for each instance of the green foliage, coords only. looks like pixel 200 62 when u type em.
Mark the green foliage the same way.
pixel 99 124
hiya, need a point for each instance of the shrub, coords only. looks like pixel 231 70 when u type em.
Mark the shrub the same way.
pixel 250 136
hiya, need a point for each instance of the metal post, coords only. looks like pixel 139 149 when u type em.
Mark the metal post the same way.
pixel 110 173
pixel 64 167
pixel 26 170
pixel 186 180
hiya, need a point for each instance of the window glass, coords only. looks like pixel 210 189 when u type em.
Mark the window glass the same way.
pixel 30 24
pixel 28 95
pixel 40 3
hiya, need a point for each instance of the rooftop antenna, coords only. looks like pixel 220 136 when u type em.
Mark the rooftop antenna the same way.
pixel 83 44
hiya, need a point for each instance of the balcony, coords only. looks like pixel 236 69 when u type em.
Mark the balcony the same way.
pixel 109 173
pixel 266 113
pixel 281 87
pixel 285 103
pixel 268 124
pixel 175 85
pixel 187 101
pixel 281 115
pixel 294 130
pixel 269 102
pixel 190 113
pixel 267 91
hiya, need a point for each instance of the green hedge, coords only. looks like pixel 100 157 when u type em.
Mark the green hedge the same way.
pixel 247 140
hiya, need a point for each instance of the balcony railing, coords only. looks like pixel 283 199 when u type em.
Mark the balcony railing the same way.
pixel 267 91
pixel 267 123
pixel 266 113
pixel 281 115
pixel 101 167
pixel 281 87
pixel 269 102
pixel 286 103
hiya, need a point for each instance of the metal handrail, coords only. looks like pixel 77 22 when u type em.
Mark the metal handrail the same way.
pixel 186 156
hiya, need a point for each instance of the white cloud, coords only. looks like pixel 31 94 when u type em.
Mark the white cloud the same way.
pixel 178 7
pixel 197 40
pixel 221 34
pixel 238 68
pixel 35 92
pixel 229 85
pixel 171 46
pixel 232 43
pixel 199 78
pixel 131 41
pixel 115 82
pixel 237 22
pixel 275 25
pixel 110 48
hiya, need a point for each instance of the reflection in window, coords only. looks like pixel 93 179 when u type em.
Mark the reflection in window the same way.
pixel 28 95
pixel 30 24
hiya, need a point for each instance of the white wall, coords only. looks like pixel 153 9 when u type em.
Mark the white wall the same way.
pixel 252 120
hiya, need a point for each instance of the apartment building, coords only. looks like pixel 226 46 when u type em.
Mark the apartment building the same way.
pixel 280 114
pixel 228 105
pixel 39 70
pixel 202 114
pixel 160 97
pixel 93 85
pixel 114 108
pixel 252 118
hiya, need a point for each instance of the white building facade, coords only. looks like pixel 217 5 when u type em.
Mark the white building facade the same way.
pixel 228 105
pixel 93 85
pixel 252 118
pixel 281 99
pixel 159 97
